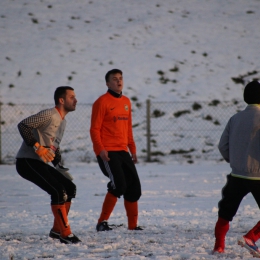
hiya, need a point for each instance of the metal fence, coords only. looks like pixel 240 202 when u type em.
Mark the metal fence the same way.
pixel 183 131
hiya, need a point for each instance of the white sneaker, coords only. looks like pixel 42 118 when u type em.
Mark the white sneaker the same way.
pixel 249 245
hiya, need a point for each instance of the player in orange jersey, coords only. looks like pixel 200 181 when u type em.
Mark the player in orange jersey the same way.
pixel 112 137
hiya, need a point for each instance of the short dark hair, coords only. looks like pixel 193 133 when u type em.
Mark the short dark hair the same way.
pixel 111 72
pixel 252 92
pixel 60 92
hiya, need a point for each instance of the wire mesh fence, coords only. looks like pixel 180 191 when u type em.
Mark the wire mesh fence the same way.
pixel 189 130
pixel 184 131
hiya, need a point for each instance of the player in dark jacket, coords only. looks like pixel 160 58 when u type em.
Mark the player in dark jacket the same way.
pixel 42 134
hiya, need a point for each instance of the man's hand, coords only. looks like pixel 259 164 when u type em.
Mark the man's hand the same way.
pixel 64 171
pixel 134 158
pixel 46 154
pixel 104 155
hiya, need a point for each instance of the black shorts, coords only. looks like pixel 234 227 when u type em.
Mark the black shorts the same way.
pixel 121 171
pixel 233 193
pixel 47 178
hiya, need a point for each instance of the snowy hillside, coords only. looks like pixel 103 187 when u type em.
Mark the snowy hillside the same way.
pixel 168 50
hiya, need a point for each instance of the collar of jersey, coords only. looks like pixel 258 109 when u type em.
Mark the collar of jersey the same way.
pixel 113 93
pixel 59 112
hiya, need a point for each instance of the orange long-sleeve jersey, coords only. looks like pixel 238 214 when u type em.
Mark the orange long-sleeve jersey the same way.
pixel 111 124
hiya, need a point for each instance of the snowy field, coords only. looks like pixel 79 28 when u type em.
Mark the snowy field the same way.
pixel 171 50
pixel 178 210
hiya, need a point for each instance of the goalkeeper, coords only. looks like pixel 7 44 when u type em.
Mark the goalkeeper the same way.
pixel 42 134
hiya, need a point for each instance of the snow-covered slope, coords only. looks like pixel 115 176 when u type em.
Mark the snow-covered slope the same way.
pixel 168 50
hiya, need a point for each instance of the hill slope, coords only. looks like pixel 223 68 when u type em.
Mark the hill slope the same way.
pixel 168 50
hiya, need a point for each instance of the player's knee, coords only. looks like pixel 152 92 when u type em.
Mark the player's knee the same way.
pixel 117 193
pixel 65 196
pixel 132 197
pixel 59 197
pixel 226 214
pixel 118 190
pixel 71 191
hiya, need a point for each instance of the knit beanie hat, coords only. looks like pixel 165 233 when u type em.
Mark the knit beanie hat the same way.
pixel 252 92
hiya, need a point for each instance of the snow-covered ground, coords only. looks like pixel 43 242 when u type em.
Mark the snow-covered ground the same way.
pixel 169 50
pixel 178 210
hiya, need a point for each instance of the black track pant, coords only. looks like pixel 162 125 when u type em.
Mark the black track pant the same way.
pixel 47 178
pixel 233 193
pixel 123 176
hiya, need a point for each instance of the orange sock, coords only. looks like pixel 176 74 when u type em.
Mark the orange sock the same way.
pixel 56 227
pixel 108 206
pixel 254 233
pixel 60 215
pixel 132 213
pixel 67 206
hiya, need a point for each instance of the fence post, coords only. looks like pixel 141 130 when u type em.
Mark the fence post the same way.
pixel 148 130
pixel 0 134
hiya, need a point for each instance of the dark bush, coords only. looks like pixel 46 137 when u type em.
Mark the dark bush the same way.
pixel 208 117
pixel 158 113
pixel 214 102
pixel 181 151
pixel 196 106
pixel 180 113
